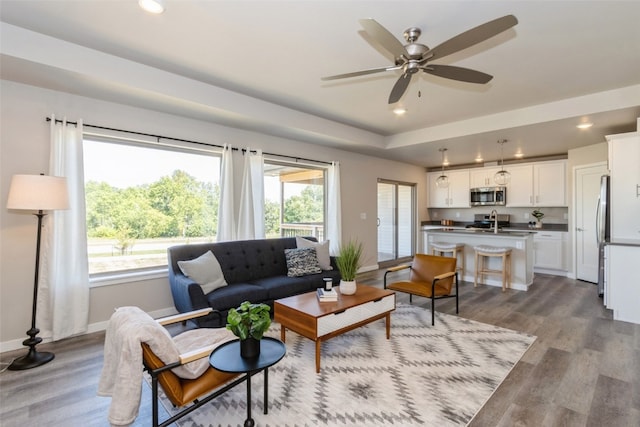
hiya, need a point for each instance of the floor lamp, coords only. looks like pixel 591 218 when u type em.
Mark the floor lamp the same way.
pixel 36 193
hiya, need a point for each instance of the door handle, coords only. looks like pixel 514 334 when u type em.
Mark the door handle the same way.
pixel 598 225
pixel 579 229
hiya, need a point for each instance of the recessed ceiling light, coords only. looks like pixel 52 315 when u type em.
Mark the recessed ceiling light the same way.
pixel 399 111
pixel 479 158
pixel 518 155
pixel 585 125
pixel 152 6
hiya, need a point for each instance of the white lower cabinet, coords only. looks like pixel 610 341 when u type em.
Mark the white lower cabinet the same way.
pixel 623 282
pixel 549 249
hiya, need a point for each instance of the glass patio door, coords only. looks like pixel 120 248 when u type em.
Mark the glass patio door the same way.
pixel 396 225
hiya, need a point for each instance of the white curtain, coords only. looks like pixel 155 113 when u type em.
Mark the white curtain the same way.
pixel 226 214
pixel 63 296
pixel 251 217
pixel 334 216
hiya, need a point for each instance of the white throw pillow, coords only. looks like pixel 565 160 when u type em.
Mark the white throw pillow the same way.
pixel 205 271
pixel 322 251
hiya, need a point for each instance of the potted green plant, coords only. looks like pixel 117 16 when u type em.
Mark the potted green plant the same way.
pixel 348 262
pixel 538 216
pixel 249 322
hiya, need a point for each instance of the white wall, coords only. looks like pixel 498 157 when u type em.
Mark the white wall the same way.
pixel 24 138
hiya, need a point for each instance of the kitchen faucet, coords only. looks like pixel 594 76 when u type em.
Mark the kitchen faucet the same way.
pixel 494 216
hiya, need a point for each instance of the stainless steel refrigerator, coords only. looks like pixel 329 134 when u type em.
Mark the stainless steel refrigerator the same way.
pixel 603 228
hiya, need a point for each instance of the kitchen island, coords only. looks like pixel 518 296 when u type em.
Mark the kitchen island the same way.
pixel 520 242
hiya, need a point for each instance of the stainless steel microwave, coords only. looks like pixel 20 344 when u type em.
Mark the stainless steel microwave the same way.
pixel 488 196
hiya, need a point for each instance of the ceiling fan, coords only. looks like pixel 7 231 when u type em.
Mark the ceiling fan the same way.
pixel 414 57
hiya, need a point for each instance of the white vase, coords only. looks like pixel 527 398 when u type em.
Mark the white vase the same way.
pixel 347 287
pixel 539 223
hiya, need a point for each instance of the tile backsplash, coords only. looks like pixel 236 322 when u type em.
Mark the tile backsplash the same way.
pixel 554 215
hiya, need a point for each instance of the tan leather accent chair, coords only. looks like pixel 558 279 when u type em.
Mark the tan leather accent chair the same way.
pixel 430 276
pixel 180 391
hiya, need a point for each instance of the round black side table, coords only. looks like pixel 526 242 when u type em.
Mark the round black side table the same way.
pixel 226 358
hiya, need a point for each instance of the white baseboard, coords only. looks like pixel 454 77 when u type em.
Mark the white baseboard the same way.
pixel 490 281
pixel 368 268
pixel 16 344
pixel 552 272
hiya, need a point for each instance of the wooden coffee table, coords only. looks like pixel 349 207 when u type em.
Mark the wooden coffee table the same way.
pixel 320 321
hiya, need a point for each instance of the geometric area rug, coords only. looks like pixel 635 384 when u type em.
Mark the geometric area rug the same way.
pixel 423 376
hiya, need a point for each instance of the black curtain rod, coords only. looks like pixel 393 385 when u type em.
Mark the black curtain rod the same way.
pixel 244 150
pixel 158 137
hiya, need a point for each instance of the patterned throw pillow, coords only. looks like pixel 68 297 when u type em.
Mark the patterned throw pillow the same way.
pixel 322 251
pixel 302 261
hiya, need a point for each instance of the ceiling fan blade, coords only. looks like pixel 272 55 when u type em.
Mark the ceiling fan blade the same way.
pixel 384 37
pixel 361 73
pixel 458 73
pixel 399 88
pixel 472 36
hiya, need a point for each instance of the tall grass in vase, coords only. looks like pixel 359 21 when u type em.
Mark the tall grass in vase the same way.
pixel 348 261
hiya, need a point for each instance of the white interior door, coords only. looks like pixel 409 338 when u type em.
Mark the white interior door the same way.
pixel 587 190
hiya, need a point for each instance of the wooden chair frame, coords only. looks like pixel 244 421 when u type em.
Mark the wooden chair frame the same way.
pixel 433 297
pixel 183 359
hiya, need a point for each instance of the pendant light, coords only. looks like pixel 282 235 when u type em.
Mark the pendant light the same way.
pixel 443 180
pixel 502 177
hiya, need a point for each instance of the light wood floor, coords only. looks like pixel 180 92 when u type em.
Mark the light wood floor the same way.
pixel 583 370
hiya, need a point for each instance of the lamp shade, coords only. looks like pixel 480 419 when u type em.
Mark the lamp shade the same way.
pixel 38 192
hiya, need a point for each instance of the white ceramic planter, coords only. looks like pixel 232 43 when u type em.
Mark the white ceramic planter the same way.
pixel 347 287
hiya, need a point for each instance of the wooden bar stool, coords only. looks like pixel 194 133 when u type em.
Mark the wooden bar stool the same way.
pixel 443 248
pixel 485 251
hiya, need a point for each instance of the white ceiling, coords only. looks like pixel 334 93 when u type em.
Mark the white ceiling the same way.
pixel 257 65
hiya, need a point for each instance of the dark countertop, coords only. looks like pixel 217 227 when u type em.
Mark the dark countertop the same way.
pixel 483 232
pixel 513 226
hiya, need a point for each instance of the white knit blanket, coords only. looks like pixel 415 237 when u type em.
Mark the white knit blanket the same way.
pixel 121 376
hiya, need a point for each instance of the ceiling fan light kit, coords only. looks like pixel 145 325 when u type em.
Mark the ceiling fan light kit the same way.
pixel 414 57
pixel 502 177
pixel 152 6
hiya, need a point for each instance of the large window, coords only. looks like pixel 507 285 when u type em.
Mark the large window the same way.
pixel 142 199
pixel 294 200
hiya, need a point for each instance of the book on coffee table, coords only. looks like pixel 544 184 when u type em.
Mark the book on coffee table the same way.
pixel 324 295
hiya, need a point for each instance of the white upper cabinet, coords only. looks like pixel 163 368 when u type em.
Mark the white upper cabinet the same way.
pixel 550 183
pixel 538 184
pixel 520 188
pixel 482 177
pixel 454 196
pixel 541 184
pixel 624 166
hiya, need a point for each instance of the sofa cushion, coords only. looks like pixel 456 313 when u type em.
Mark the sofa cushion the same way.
pixel 301 262
pixel 284 286
pixel 244 261
pixel 322 251
pixel 233 295
pixel 205 271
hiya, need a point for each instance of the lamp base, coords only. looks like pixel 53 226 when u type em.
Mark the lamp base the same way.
pixel 33 359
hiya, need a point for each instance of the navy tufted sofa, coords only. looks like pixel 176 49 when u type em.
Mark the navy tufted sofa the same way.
pixel 255 270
